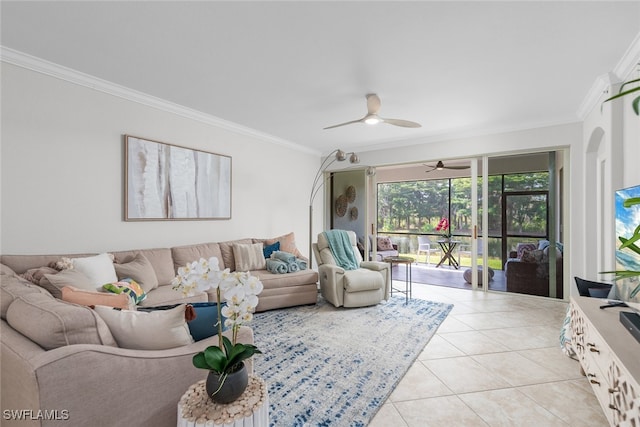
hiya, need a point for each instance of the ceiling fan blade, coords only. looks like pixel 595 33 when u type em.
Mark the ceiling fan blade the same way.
pixel 457 167
pixel 344 124
pixel 402 123
pixel 373 104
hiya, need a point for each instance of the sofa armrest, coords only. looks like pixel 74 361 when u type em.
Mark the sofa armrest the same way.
pixel 330 277
pixel 384 269
pixel 90 382
pixel 374 265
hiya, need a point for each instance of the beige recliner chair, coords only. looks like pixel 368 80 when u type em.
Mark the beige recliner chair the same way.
pixel 367 285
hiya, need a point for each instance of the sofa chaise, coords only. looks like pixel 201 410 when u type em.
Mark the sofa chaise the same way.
pixel 66 367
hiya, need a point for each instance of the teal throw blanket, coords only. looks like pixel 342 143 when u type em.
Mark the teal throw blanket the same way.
pixel 341 249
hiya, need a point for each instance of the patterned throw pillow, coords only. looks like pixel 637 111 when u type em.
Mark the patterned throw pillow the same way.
pixel 532 256
pixel 521 247
pixel 385 244
pixel 565 336
pixel 129 287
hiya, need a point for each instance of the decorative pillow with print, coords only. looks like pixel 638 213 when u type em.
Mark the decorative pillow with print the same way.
pixel 129 287
pixel 521 247
pixel 385 244
pixel 532 256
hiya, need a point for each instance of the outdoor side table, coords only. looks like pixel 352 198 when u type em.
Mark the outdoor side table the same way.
pixel 448 247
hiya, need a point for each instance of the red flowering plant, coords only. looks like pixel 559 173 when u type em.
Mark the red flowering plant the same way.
pixel 443 227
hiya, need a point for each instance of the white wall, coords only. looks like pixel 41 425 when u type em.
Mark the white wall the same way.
pixel 62 172
pixel 612 150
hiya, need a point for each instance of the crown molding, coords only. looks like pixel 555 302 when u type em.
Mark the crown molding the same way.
pixel 620 72
pixel 629 61
pixel 23 60
pixel 599 87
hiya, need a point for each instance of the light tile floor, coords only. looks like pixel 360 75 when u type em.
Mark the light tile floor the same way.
pixel 495 361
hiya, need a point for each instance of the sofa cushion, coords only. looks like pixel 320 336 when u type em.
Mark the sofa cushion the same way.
pixel 226 248
pixel 362 280
pixel 22 263
pixel 160 259
pixel 80 296
pixel 5 269
pixel 12 287
pixel 140 270
pixel 98 269
pixel 55 282
pixel 182 255
pixel 274 281
pixel 34 275
pixel 52 323
pixel 140 330
pixel 249 257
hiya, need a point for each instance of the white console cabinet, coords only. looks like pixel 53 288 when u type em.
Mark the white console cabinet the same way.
pixel 610 358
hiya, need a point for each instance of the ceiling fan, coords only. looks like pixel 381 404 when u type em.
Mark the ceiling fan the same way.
pixel 440 166
pixel 372 118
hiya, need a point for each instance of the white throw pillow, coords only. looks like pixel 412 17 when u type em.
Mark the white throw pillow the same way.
pixel 98 269
pixel 141 330
pixel 249 257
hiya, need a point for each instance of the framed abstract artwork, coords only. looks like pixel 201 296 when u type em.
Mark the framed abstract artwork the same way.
pixel 170 182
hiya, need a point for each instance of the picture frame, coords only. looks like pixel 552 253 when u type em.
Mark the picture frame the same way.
pixel 627 211
pixel 171 182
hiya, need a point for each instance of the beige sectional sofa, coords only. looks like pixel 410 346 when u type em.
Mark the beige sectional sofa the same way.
pixel 70 371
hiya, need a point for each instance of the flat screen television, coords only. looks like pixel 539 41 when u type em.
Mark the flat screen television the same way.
pixel 628 228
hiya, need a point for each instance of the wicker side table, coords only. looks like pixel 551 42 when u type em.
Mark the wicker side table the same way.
pixel 251 409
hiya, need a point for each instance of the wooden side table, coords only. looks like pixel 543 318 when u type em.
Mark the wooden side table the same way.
pixel 251 409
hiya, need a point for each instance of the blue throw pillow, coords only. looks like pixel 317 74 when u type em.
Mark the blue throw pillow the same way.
pixel 268 250
pixel 205 323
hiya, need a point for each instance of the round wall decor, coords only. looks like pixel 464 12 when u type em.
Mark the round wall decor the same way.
pixel 341 205
pixel 351 193
pixel 353 213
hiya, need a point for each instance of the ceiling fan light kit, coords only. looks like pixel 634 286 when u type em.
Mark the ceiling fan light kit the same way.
pixel 372 118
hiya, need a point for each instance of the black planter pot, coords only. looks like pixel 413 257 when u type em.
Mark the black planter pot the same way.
pixel 232 388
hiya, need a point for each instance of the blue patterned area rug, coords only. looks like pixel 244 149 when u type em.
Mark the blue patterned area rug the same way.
pixel 327 366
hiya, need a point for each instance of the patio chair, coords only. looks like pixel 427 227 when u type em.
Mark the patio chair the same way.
pixel 425 245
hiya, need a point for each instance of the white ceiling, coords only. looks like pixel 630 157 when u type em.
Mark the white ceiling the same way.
pixel 288 69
